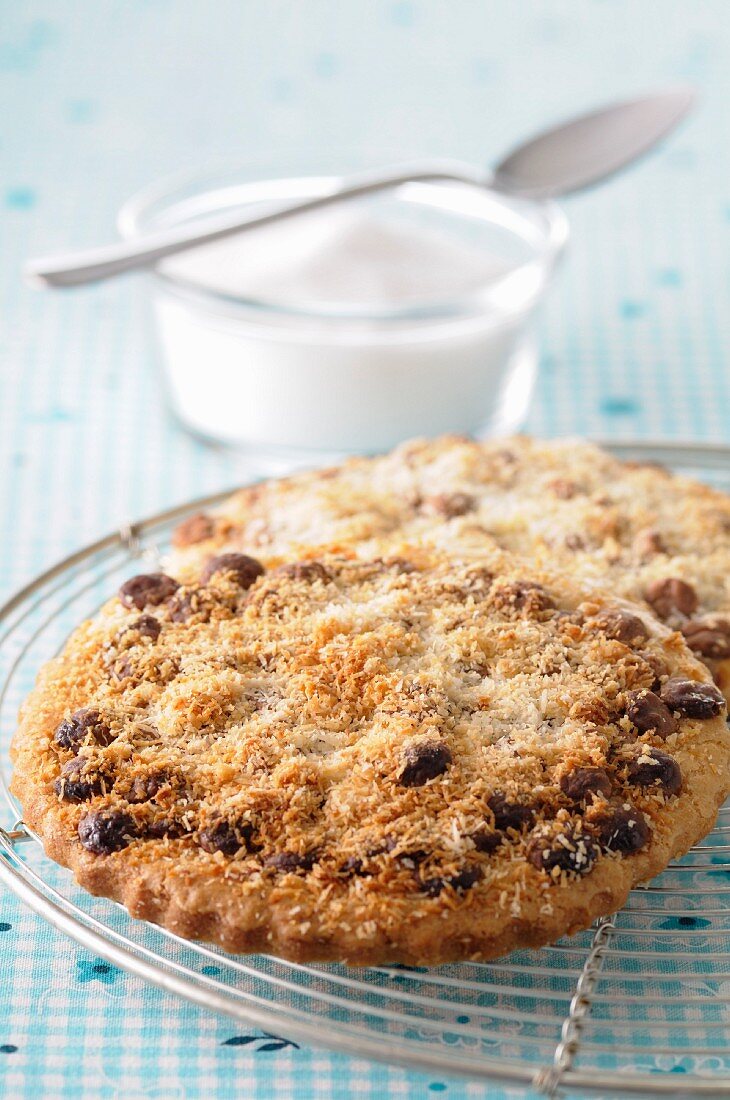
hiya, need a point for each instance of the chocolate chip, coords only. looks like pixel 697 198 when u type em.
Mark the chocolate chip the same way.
pixel 651 767
pixel 124 668
pixel 145 787
pixel 82 723
pixel 621 625
pixel 288 862
pixel 450 505
pixel 621 830
pixel 563 488
pixel 424 761
pixel 226 837
pixel 387 844
pixel 522 596
pixel 581 782
pixel 648 542
pixel 103 832
pixel 464 880
pixel 487 840
pixel 709 638
pixel 670 595
pixel 168 826
pixel 572 850
pixel 74 786
pixel 69 735
pixel 510 815
pixel 148 626
pixel 306 571
pixel 647 712
pixel 189 602
pixel 146 589
pixel 411 857
pixel 194 529
pixel 658 667
pixel 503 456
pixel 575 542
pixel 432 886
pixel 242 569
pixel 693 698
pixel 352 866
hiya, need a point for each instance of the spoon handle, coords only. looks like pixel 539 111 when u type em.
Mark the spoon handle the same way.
pixel 94 264
pixel 568 157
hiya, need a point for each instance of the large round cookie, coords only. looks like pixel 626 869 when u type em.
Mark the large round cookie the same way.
pixel 418 759
pixel 635 530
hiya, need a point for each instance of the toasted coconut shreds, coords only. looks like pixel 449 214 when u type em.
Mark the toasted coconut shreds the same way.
pixel 301 759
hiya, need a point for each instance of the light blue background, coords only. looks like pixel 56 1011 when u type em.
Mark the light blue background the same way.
pixel 98 97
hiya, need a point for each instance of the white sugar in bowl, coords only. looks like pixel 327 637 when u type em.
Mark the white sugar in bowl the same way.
pixel 352 328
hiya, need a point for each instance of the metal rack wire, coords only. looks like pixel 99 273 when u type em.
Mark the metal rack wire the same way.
pixel 640 1004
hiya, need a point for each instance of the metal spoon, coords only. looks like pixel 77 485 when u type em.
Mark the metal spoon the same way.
pixel 569 157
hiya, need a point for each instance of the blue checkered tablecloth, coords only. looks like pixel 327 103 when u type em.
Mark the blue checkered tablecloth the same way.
pixel 98 97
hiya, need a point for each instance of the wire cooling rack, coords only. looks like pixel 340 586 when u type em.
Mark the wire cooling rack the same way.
pixel 640 1004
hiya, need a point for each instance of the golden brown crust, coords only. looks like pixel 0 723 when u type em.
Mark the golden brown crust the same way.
pixel 419 759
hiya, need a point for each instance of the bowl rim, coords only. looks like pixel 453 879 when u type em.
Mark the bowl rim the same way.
pixel 137 215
